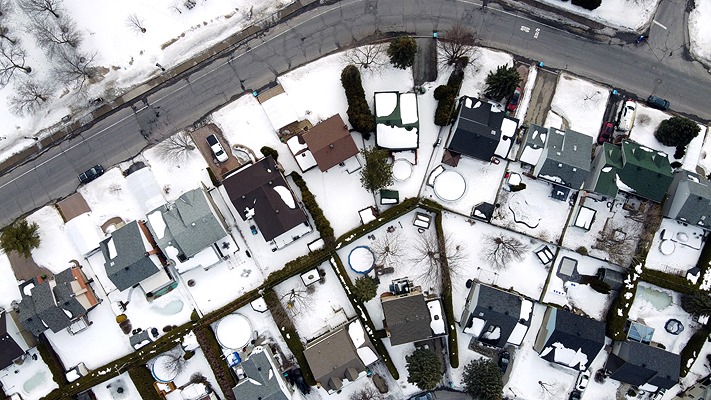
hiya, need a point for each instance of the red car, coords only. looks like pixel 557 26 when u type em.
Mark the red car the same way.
pixel 514 100
pixel 606 133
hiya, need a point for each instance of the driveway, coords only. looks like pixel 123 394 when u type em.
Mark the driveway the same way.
pixel 219 169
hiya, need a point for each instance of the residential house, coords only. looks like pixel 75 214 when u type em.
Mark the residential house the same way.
pixel 340 356
pixel 565 159
pixel 698 391
pixel 325 145
pixel 631 168
pixel 132 257
pixel 482 130
pixel 641 364
pixel 189 227
pixel 569 339
pixel 689 199
pixel 532 144
pixel 397 121
pixel 57 303
pixel 262 378
pixel 259 193
pixel 409 316
pixel 13 344
pixel 495 317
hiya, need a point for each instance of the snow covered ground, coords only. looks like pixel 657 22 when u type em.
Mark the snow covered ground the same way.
pixel 698 33
pixel 619 14
pixel 581 105
pixel 687 247
pixel 32 380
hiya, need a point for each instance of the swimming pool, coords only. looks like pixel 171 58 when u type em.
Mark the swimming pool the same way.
pixel 34 382
pixel 171 308
pixel 660 300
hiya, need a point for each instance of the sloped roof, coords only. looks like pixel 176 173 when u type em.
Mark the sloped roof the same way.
pixel 568 157
pixel 606 183
pixel 499 309
pixel 690 199
pixel 647 364
pixel 407 318
pixel 253 188
pixel 646 171
pixel 330 142
pixel 9 349
pixel 261 381
pixel 533 143
pixel 478 129
pixel 576 333
pixel 132 263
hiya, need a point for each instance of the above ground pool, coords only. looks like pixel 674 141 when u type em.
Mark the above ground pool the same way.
pixel 450 185
pixel 361 259
pixel 234 331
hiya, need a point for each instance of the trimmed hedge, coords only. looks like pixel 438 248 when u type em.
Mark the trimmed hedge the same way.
pixel 268 151
pixel 619 310
pixel 446 96
pixel 403 208
pixel 692 349
pixel 213 353
pixel 704 262
pixel 669 281
pixel 359 114
pixel 298 265
pixel 322 224
pixel 143 379
pixel 54 367
pixel 447 295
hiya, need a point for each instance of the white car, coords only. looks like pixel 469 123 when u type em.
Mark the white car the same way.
pixel 629 109
pixel 217 148
pixel 583 380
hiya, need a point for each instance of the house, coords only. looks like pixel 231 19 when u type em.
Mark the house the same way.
pixel 330 143
pixel 569 339
pixel 132 257
pixel 397 121
pixel 262 379
pixel 495 317
pixel 187 228
pixel 340 356
pixel 409 317
pixel 631 168
pixel 689 199
pixel 259 192
pixel 57 303
pixel 13 344
pixel 532 144
pixel 565 159
pixel 482 130
pixel 642 364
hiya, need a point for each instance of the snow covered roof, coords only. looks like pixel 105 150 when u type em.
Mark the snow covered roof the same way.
pixel 280 111
pixel 570 339
pixel 397 119
pixel 84 233
pixel 145 188
pixel 497 309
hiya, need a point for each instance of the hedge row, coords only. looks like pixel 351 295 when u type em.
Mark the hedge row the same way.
pixel 48 357
pixel 704 262
pixel 213 353
pixel 447 295
pixel 619 310
pixel 143 379
pixel 298 265
pixel 668 281
pixel 359 114
pixel 369 327
pixel 288 332
pixel 386 216
pixel 322 224
pixel 692 350
pixel 446 96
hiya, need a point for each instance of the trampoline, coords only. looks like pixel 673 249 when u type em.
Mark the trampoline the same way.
pixel 361 259
pixel 450 185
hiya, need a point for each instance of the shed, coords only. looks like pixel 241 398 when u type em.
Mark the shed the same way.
pixel 388 197
pixel 567 266
pixel 585 218
pixel 613 278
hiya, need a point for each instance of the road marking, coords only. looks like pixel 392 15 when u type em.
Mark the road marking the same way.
pixel 525 28
pixel 657 23
pixel 535 35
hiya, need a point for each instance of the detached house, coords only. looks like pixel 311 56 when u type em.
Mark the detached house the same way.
pixel 326 145
pixel 569 339
pixel 495 317
pixel 565 159
pixel 13 344
pixel 641 364
pixel 631 168
pixel 482 130
pixel 262 379
pixel 397 121
pixel 259 193
pixel 689 199
pixel 57 303
pixel 409 316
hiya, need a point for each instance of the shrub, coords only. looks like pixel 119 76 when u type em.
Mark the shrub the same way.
pixel 582 250
pixel 587 4
pixel 424 369
pixel 268 151
pixel 52 362
pixel 679 152
pixel 677 131
pixel 121 318
pixel 143 379
pixel 672 282
pixel 502 83
pixel 483 380
pixel 676 164
pixel 213 354
pixel 359 114
pixel 194 316
pixel 600 286
pixel 322 224
pixel 402 52
pixel 692 350
pixel 620 308
pixel 697 303
pixel 188 355
pixel 444 91
pixel 447 295
pixel 519 187
pixel 365 288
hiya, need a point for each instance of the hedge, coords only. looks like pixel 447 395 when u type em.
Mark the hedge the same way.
pixel 447 295
pixel 446 96
pixel 288 332
pixel 587 4
pixel 359 114
pixel 668 281
pixel 298 265
pixel 704 262
pixel 692 350
pixel 268 151
pixel 322 224
pixel 143 379
pixel 213 354
pixel 386 216
pixel 48 357
pixel 619 310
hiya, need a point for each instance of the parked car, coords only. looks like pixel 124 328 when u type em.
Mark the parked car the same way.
pixel 575 395
pixel 583 380
pixel 627 116
pixel 606 133
pixel 504 361
pixel 91 174
pixel 423 396
pixel 217 148
pixel 658 102
pixel 514 100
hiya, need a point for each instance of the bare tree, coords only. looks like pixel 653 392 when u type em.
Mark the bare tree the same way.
pixel 174 363
pixel 456 44
pixel 434 257
pixel 177 148
pixel 12 58
pixel 618 243
pixel 74 68
pixel 136 23
pixel 370 57
pixel 30 96
pixel 296 301
pixel 52 34
pixel 4 34
pixel 5 7
pixel 367 393
pixel 500 250
pixel 388 249
pixel 37 8
pixel 175 6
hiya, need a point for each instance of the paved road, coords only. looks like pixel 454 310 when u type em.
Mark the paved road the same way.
pixel 638 69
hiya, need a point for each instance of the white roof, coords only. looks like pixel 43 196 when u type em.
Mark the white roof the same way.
pixel 476 328
pixel 531 155
pixel 385 103
pixel 234 331
pixel 305 160
pixel 436 320
pixel 366 215
pixel 146 190
pixel 517 334
pixel 280 111
pixel 393 137
pixel 84 233
pixel 155 281
pixel 572 358
pixel 408 108
pixel 585 218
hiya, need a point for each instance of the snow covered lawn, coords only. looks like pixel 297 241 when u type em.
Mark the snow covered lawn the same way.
pixel 32 380
pixel 177 177
pixel 619 14
pixel 699 33
pixel 580 103
pixel 9 291
pixel 687 244
pixel 103 390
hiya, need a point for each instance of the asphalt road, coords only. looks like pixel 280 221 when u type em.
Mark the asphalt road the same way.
pixel 621 63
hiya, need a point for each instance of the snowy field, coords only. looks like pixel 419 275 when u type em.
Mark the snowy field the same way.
pixel 619 14
pixel 580 104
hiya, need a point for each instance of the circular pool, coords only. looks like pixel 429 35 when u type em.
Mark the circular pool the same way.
pixel 361 259
pixel 450 185
pixel 402 169
pixel 164 368
pixel 234 331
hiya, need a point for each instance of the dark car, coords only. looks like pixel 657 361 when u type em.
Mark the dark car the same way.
pixel 658 102
pixel 514 100
pixel 504 361
pixel 423 396
pixel 575 395
pixel 606 133
pixel 91 174
pixel 295 377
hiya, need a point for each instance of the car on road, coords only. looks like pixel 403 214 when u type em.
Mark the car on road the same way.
pixel 504 361
pixel 627 115
pixel 91 174
pixel 514 100
pixel 423 396
pixel 606 133
pixel 658 102
pixel 583 380
pixel 575 395
pixel 216 148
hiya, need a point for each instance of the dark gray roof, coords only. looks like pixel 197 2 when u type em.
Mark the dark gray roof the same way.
pixel 257 368
pixel 253 188
pixel 575 332
pixel 689 199
pixel 407 319
pixel 28 316
pixel 567 161
pixel 497 308
pixel 638 363
pixel 132 263
pixel 613 278
pixel 9 349
pixel 46 308
pixel 478 130
pixel 139 338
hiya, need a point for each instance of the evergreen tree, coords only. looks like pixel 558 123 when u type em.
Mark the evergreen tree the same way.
pixel 424 369
pixel 359 114
pixel 677 131
pixel 21 237
pixel 502 83
pixel 697 304
pixel 365 288
pixel 402 52
pixel 377 173
pixel 268 151
pixel 482 379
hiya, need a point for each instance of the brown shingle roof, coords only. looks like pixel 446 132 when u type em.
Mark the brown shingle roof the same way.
pixel 330 143
pixel 407 319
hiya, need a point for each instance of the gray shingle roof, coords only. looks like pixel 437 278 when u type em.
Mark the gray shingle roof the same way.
pixel 332 356
pixel 257 368
pixel 689 199
pixel 568 157
pixel 407 319
pixel 9 349
pixel 497 308
pixel 637 363
pixel 131 264
pixel 478 129
pixel 576 332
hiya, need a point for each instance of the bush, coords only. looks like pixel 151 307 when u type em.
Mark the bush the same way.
pixel 677 131
pixel 675 164
pixel 365 288
pixel 359 114
pixel 322 224
pixel 213 354
pixel 194 316
pixel 668 281
pixel 446 96
pixel 502 83
pixel 143 379
pixel 447 298
pixel 697 303
pixel 582 250
pixel 600 286
pixel 53 364
pixel 483 380
pixel 619 310
pixel 679 152
pixel 587 4
pixel 188 355
pixel 444 91
pixel 519 187
pixel 424 369
pixel 692 350
pixel 268 151
pixel 121 318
